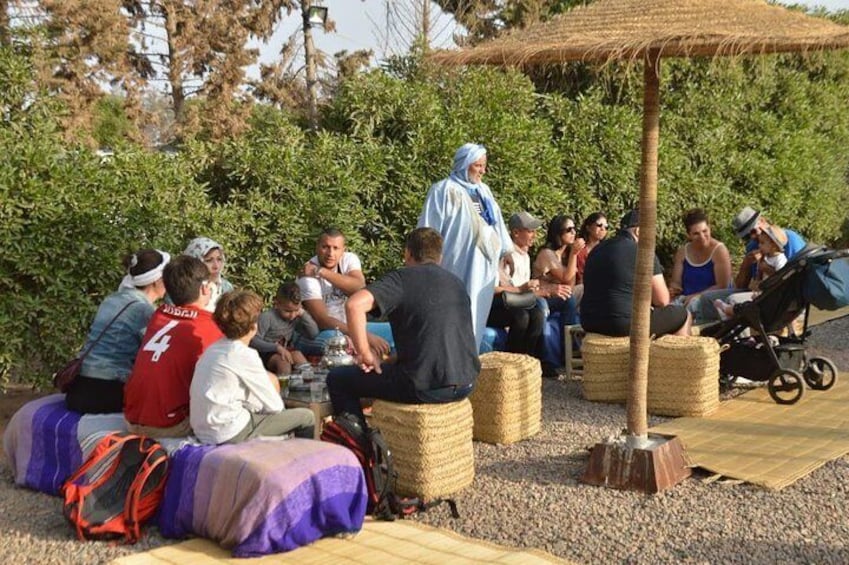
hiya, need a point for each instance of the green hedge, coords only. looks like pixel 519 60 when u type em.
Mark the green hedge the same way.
pixel 769 132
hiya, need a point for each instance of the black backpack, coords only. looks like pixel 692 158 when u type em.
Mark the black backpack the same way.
pixel 375 457
pixel 117 489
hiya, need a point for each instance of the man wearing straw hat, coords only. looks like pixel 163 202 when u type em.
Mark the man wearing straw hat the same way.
pixel 748 225
pixel 428 309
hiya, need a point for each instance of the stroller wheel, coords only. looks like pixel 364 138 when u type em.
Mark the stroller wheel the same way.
pixel 786 386
pixel 821 373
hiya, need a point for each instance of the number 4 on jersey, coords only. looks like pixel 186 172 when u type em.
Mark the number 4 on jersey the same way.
pixel 160 342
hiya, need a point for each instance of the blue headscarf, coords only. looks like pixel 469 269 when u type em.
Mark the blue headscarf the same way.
pixel 464 157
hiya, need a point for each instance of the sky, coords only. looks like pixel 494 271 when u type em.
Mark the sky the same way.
pixel 360 24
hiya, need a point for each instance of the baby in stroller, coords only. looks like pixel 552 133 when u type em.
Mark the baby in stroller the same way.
pixel 815 276
pixel 771 242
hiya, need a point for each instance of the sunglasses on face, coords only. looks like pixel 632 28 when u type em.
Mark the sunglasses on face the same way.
pixel 569 229
pixel 601 225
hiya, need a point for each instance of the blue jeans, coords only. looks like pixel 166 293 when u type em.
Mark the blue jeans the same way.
pixel 564 312
pixel 706 311
pixel 315 346
pixel 568 308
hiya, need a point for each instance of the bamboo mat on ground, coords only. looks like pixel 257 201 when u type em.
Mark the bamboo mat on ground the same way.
pixel 822 316
pixel 386 543
pixel 756 440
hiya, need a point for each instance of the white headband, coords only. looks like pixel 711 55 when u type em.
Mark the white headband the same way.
pixel 147 277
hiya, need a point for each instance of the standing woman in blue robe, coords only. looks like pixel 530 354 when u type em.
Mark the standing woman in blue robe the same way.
pixel 463 210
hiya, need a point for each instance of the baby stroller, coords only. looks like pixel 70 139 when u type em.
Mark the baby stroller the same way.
pixel 815 276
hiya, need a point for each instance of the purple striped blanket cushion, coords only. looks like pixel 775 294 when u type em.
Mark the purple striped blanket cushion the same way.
pixel 263 496
pixel 41 444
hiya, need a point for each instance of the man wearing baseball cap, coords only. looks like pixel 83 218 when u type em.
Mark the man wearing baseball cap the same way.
pixel 609 288
pixel 525 324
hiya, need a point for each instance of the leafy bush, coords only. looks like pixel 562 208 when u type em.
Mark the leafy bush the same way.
pixel 768 132
pixel 421 121
pixel 67 219
pixel 763 132
pixel 276 188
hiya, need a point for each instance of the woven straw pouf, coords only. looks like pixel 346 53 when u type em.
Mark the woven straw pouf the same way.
pixel 683 376
pixel 507 400
pixel 431 446
pixel 606 361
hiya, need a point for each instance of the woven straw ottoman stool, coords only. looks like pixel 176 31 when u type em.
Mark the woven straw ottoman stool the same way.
pixel 507 400
pixel 431 446
pixel 683 376
pixel 606 361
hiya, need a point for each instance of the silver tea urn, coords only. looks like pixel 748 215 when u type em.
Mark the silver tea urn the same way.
pixel 336 352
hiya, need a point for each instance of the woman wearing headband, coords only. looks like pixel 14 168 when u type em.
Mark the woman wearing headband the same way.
pixel 116 335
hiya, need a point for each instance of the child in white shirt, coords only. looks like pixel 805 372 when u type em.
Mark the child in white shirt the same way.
pixel 232 397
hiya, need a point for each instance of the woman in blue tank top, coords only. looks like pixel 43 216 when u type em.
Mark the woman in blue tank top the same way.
pixel 700 265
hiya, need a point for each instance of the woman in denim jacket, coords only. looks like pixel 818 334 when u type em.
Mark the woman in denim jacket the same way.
pixel 100 387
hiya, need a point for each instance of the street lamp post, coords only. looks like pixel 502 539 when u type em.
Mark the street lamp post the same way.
pixel 312 15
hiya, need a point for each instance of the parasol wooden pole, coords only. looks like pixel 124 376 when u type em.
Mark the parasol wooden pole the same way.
pixel 641 308
pixel 640 462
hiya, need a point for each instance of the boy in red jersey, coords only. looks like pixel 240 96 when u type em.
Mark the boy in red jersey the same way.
pixel 156 396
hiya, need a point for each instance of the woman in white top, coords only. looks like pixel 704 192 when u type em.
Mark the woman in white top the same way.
pixel 232 397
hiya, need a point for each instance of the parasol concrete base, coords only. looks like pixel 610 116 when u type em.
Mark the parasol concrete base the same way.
pixel 656 465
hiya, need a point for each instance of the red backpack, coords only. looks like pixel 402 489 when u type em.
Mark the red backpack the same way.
pixel 117 489
pixel 375 457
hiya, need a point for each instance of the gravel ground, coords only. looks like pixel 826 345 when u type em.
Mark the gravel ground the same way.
pixel 528 495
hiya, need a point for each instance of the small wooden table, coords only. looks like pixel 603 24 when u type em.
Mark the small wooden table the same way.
pixel 321 410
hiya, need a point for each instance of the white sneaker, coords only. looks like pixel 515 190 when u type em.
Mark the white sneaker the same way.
pixel 743 382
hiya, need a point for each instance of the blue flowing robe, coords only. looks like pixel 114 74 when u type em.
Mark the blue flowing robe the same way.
pixel 472 249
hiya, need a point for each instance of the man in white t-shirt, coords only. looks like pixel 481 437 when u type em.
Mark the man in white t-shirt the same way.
pixel 326 282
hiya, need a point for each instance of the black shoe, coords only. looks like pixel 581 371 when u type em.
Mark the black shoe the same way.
pixel 549 371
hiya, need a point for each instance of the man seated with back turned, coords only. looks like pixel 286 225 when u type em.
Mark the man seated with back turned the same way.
pixel 430 314
pixel 326 282
pixel 609 288
pixel 156 396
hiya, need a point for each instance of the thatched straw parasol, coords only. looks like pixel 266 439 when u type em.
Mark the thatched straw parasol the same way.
pixel 607 30
pixel 647 30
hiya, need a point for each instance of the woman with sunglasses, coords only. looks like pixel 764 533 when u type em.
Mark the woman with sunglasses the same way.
pixel 593 231
pixel 555 267
pixel 556 262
